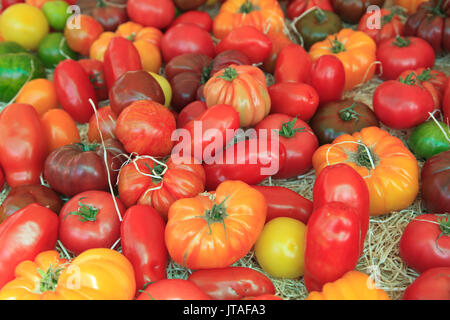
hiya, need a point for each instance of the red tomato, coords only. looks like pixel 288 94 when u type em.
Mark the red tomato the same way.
pixel 192 111
pixel 173 289
pixel 341 183
pixel 399 54
pixel 232 283
pixel 433 284
pixel 297 138
pixel 200 18
pixel 328 78
pixel 332 244
pixel 145 127
pixel 24 235
pixel 8 3
pixel 94 69
pixel 142 239
pixel 90 220
pixel 293 65
pixel 284 202
pixel 297 7
pixel 391 25
pixel 23 147
pixel 211 137
pixel 250 161
pixel 402 105
pixel 249 40
pixel 151 13
pixel 295 99
pixel 80 39
pixel 121 56
pixel 186 38
pixel 425 242
pixel 74 89
pixel 446 103
pixel 107 121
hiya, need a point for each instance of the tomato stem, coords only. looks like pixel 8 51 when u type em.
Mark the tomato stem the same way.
pixel 217 213
pixel 88 147
pixel 401 42
pixel 49 279
pixel 337 46
pixel 426 75
pixel 320 16
pixel 288 130
pixel 229 74
pixel 410 79
pixel 85 212
pixel 131 37
pixel 247 7
pixel 363 156
pixel 101 4
pixel 349 113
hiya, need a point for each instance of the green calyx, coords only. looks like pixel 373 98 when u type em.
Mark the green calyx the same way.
pixel 216 214
pixel 247 7
pixel 229 74
pixel 84 212
pixel 444 225
pixel 131 37
pixel 426 75
pixel 49 279
pixel 401 42
pixel 157 171
pixel 101 4
pixel 206 73
pixel 337 46
pixel 349 113
pixel 88 147
pixel 411 79
pixel 288 130
pixel 320 16
pixel 364 156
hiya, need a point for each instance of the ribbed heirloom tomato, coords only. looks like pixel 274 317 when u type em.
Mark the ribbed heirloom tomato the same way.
pixel 217 230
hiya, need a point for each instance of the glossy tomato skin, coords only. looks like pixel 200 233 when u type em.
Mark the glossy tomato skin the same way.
pixel 252 162
pixel 186 38
pixel 74 89
pixel 435 178
pixel 297 7
pixel 424 245
pixel 446 103
pixel 76 168
pixel 81 38
pixel 399 54
pixel 142 240
pixel 24 235
pixel 199 18
pixel 59 128
pixel 232 283
pixel 391 25
pixel 401 106
pixel 100 229
pixel 293 65
pixel 96 74
pixel 433 284
pixel 294 99
pixel 20 197
pixel 121 56
pixel 186 5
pixel 146 127
pixel 300 145
pixel 22 146
pixel 151 13
pixel 341 183
pixel 110 17
pixel 332 244
pixel 328 78
pixel 173 289
pixel 191 112
pixel 284 202
pixel 249 40
pixel 341 117
pixel 133 86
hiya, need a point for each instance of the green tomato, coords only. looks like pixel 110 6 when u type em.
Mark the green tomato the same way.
pixel 428 139
pixel 56 14
pixel 11 47
pixel 53 49
pixel 280 249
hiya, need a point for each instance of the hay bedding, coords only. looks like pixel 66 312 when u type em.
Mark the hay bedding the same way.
pixel 381 257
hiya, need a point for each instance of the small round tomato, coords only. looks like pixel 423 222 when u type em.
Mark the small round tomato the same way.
pixel 56 13
pixel 199 18
pixel 328 78
pixel 24 24
pixel 107 121
pixel 59 128
pixel 433 284
pixel 90 220
pixel 191 112
pixel 40 93
pixel 151 13
pixel 53 49
pixel 186 38
pixel 80 38
pixel 280 248
pixel 173 289
pixel 293 65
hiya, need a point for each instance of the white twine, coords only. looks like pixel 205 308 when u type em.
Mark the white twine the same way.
pixel 296 19
pixel 61 50
pixel 438 124
pixel 115 244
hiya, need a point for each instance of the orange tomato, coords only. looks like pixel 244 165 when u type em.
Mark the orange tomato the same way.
pixel 410 5
pixel 354 285
pixel 150 55
pixel 216 231
pixel 60 129
pixel 107 120
pixel 244 88
pixel 389 169
pixel 95 274
pixel 355 49
pixel 264 15
pixel 99 46
pixel 40 93
pixel 81 39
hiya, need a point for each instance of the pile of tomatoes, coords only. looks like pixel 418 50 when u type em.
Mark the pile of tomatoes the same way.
pixel 101 215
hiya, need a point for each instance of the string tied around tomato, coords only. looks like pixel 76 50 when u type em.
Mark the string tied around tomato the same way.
pixel 438 124
pixel 300 17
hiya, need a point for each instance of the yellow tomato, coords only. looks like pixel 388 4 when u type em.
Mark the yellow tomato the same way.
pixel 280 249
pixel 165 86
pixel 24 24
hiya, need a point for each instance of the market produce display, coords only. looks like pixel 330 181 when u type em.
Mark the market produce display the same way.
pixel 225 150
